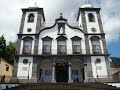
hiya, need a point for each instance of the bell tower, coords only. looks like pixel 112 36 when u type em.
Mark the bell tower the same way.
pixel 32 20
pixel 90 21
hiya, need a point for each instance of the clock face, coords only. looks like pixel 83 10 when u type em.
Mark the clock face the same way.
pixel 93 29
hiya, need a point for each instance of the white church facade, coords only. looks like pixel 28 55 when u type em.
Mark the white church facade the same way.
pixel 61 52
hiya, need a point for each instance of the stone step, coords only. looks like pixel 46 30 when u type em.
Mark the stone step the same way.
pixel 64 86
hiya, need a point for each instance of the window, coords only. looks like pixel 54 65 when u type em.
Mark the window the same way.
pixel 61 47
pixel 91 17
pixel 31 17
pixel 47 47
pixel 7 68
pixel 96 45
pixel 27 45
pixel 47 44
pixel 29 30
pixel 76 47
pixel 75 72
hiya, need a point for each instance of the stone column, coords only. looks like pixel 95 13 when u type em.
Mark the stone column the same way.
pixel 53 74
pixel 85 73
pixel 70 74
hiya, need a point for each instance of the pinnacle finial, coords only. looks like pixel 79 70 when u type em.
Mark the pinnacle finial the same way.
pixel 61 15
pixel 35 3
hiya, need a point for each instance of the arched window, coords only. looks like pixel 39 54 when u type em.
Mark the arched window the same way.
pixel 91 17
pixel 76 45
pixel 47 44
pixel 27 45
pixel 95 44
pixel 61 45
pixel 31 17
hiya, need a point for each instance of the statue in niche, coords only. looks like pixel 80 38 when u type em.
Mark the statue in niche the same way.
pixel 62 30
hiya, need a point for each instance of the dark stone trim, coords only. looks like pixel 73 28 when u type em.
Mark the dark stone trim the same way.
pixel 88 66
pixel 14 76
pixel 19 44
pixel 94 33
pixel 74 28
pixel 55 25
pixel 76 38
pixel 39 23
pixel 22 23
pixel 62 19
pixel 86 9
pixel 36 45
pixel 47 28
pixel 32 9
pixel 108 68
pixel 34 69
pixel 20 35
pixel 47 38
pixel 49 55
pixel 87 44
pixel 25 34
pixel 27 38
pixel 61 38
pixel 100 22
pixel 104 44
pixel 84 24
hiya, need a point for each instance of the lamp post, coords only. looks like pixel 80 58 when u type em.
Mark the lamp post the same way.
pixel 28 69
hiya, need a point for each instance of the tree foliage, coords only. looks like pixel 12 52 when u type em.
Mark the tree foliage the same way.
pixel 2 46
pixel 7 51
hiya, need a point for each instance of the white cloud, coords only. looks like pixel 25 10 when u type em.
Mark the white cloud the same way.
pixel 111 19
pixel 10 16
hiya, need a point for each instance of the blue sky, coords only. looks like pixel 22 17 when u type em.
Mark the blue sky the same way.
pixel 114 49
pixel 110 13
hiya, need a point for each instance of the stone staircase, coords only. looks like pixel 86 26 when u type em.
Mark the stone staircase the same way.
pixel 63 86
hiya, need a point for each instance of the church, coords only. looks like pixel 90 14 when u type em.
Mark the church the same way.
pixel 61 52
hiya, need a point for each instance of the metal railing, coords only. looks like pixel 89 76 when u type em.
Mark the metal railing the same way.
pixel 67 52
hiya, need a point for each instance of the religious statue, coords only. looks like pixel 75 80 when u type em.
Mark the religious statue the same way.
pixel 62 30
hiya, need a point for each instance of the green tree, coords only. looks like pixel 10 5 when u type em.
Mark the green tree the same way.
pixel 2 46
pixel 7 52
pixel 10 52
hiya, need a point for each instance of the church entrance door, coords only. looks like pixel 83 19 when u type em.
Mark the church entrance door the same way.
pixel 61 72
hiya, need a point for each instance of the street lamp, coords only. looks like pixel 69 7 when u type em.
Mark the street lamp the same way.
pixel 28 69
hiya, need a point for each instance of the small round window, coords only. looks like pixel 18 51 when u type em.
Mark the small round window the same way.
pixel 29 30
pixel 98 60
pixel 25 61
pixel 93 29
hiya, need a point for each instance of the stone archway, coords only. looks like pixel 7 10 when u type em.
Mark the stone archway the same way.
pixel 78 74
pixel 45 70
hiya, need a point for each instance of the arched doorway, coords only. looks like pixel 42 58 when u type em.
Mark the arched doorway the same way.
pixel 45 70
pixel 61 72
pixel 78 70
